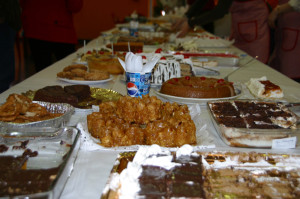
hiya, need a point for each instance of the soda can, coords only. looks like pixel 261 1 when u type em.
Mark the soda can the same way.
pixel 138 84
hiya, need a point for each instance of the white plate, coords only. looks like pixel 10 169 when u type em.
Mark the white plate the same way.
pixel 201 101
pixel 84 82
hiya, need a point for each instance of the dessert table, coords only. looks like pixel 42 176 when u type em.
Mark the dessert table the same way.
pixel 93 165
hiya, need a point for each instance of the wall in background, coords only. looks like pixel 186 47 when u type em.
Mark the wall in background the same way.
pixel 100 15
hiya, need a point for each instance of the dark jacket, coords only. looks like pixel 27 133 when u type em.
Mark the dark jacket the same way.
pixel 50 20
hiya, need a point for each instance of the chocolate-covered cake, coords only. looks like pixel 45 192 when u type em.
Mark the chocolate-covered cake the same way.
pixel 15 181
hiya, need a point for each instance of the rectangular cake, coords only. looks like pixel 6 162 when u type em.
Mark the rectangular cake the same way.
pixel 185 173
pixel 252 123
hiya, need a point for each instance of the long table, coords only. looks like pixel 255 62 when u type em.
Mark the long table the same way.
pixel 92 167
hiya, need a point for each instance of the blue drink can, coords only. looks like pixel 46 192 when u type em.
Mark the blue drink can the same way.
pixel 138 84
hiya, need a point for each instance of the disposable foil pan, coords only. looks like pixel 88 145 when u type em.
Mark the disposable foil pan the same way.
pixel 58 151
pixel 64 108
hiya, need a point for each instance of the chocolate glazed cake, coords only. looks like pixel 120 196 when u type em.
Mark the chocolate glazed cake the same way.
pixel 184 180
pixel 15 181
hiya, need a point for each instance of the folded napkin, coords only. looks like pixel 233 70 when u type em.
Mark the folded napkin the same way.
pixel 134 63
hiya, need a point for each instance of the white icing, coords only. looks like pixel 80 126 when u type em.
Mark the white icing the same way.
pixel 184 150
pixel 165 70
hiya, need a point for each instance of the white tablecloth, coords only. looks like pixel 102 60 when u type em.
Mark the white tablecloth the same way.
pixel 92 167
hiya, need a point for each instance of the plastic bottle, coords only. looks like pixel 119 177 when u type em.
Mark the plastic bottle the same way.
pixel 134 25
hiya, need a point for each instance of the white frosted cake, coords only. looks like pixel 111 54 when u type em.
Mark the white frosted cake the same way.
pixel 263 88
pixel 169 66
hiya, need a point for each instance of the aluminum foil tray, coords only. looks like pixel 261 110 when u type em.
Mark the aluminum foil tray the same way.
pixel 37 157
pixel 252 137
pixel 64 108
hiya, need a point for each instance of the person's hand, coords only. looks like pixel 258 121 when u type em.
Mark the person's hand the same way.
pixel 272 18
pixel 178 23
pixel 185 28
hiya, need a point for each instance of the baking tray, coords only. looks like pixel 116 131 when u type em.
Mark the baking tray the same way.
pixel 223 58
pixel 59 151
pixel 255 168
pixel 64 108
pixel 253 138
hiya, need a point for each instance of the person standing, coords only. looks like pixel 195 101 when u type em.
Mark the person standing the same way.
pixel 250 29
pixel 285 57
pixel 10 24
pixel 202 13
pixel 49 27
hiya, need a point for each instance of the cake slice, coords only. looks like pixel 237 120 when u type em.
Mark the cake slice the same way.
pixel 263 88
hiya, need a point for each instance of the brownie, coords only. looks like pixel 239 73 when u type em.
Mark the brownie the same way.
pixel 80 91
pixel 55 94
pixel 22 182
pixel 11 163
pixel 184 180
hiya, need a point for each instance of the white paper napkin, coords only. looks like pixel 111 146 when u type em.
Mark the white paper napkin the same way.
pixel 134 63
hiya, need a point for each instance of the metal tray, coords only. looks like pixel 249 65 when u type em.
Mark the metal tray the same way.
pixel 56 151
pixel 247 137
pixel 57 122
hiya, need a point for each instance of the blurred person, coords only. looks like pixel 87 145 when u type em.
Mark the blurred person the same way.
pixel 203 13
pixel 49 27
pixel 285 18
pixel 249 27
pixel 10 24
pixel 250 30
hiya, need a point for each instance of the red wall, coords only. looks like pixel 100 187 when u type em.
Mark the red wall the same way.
pixel 100 15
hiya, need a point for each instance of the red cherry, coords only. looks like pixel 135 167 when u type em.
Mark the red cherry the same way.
pixel 163 58
pixel 177 53
pixel 220 80
pixel 187 77
pixel 159 50
pixel 89 52
pixel 203 78
pixel 139 51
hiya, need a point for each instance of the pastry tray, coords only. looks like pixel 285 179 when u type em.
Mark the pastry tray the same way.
pixel 56 150
pixel 257 162
pixel 252 138
pixel 57 122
